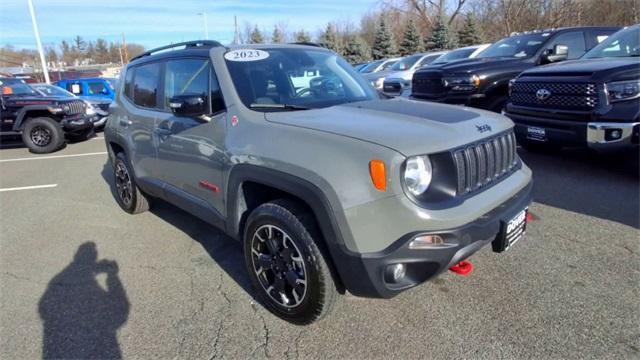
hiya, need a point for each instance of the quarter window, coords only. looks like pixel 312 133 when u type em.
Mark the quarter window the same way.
pixel 145 85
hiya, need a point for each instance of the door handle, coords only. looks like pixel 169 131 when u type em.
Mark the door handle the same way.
pixel 125 122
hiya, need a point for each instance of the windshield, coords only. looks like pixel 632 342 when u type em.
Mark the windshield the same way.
pixel 454 55
pixel 624 43
pixel 51 90
pixel 296 77
pixel 406 63
pixel 372 66
pixel 17 88
pixel 520 46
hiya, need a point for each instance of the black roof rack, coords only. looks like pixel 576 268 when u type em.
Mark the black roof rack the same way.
pixel 309 43
pixel 186 44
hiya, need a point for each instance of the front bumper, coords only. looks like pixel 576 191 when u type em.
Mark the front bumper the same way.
pixel 597 135
pixel 368 271
pixel 76 125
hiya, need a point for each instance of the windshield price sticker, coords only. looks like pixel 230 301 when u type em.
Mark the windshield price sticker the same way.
pixel 246 55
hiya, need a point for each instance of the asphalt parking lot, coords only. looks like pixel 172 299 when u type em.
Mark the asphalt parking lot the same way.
pixel 178 288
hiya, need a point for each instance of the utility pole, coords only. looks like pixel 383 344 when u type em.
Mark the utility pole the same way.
pixel 124 48
pixel 206 26
pixel 236 34
pixel 38 43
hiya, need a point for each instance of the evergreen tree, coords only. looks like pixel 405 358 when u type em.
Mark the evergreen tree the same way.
pixel 441 39
pixel 101 52
pixel 330 39
pixel 357 51
pixel 469 34
pixel 277 37
pixel 302 36
pixel 384 45
pixel 412 43
pixel 79 43
pixel 256 36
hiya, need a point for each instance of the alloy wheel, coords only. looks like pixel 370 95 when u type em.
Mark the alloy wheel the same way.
pixel 123 184
pixel 278 265
pixel 40 136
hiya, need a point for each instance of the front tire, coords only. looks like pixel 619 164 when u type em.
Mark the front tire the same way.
pixel 287 269
pixel 128 195
pixel 43 135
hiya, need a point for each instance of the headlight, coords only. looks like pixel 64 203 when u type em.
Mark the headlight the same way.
pixel 511 83
pixel 622 90
pixel 462 83
pixel 378 84
pixel 89 108
pixel 417 174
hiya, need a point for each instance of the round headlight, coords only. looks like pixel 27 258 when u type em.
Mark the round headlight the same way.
pixel 417 174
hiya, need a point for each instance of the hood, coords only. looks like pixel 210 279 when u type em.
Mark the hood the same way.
pixel 96 99
pixel 475 65
pixel 407 126
pixel 38 100
pixel 377 75
pixel 587 67
pixel 405 75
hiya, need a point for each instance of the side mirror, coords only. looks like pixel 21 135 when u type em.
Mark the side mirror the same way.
pixel 558 53
pixel 188 105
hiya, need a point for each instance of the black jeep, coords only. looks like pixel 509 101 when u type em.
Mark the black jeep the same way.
pixel 45 123
pixel 483 81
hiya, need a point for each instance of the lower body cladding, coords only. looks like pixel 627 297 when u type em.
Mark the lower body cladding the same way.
pixel 420 255
pixel 601 136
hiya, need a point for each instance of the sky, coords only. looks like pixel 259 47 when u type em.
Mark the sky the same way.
pixel 155 22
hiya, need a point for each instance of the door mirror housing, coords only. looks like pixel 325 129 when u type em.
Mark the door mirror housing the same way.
pixel 188 105
pixel 558 53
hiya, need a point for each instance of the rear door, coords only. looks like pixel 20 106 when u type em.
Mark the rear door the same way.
pixel 141 103
pixel 190 149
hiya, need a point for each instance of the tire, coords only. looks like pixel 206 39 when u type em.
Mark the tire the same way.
pixel 85 135
pixel 43 135
pixel 498 103
pixel 300 262
pixel 127 193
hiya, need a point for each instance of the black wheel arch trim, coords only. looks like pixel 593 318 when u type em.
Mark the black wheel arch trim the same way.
pixel 22 115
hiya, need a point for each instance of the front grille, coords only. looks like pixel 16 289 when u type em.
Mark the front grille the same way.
pixel 74 107
pixel 428 84
pixel 570 96
pixel 392 86
pixel 484 163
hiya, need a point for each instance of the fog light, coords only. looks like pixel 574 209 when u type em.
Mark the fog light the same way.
pixel 612 134
pixel 397 272
pixel 425 242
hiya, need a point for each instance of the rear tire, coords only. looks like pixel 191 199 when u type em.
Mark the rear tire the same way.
pixel 287 269
pixel 128 195
pixel 43 135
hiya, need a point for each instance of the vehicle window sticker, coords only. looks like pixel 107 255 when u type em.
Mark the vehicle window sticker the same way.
pixel 246 55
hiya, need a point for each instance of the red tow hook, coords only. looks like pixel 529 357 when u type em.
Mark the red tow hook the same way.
pixel 463 268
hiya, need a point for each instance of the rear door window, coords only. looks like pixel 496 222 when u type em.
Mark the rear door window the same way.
pixel 97 88
pixel 145 85
pixel 74 88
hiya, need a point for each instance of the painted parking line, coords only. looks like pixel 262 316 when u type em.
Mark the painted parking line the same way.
pixel 97 138
pixel 53 157
pixel 29 187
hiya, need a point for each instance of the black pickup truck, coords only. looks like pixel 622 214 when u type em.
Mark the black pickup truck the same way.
pixel 483 81
pixel 593 101
pixel 45 123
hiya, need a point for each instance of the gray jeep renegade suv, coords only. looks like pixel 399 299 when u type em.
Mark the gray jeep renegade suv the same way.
pixel 329 187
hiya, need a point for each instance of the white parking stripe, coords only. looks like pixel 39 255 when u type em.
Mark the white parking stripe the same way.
pixel 97 138
pixel 29 187
pixel 53 157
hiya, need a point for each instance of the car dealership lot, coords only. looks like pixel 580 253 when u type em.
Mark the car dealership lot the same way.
pixel 569 289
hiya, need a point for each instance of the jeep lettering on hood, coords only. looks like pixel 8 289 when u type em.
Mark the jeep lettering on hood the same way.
pixel 407 126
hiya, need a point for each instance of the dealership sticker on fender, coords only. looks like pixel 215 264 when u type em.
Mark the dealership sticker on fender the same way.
pixel 246 55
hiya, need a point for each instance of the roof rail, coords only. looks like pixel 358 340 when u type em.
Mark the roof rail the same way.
pixel 186 44
pixel 309 43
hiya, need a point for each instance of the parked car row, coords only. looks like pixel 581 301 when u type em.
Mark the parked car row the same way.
pixel 561 87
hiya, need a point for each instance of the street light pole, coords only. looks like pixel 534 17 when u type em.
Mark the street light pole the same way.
pixel 37 32
pixel 206 26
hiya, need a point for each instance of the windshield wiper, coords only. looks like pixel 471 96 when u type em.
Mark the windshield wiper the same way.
pixel 279 106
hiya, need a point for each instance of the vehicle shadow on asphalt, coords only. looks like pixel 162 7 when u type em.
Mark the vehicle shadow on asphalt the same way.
pixel 226 252
pixel 604 186
pixel 81 316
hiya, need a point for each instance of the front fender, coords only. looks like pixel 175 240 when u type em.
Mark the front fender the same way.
pixel 21 114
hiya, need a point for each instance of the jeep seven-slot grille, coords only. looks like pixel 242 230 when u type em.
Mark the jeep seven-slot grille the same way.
pixel 74 107
pixel 576 96
pixel 483 163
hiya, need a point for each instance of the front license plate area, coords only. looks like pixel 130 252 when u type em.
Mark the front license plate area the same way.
pixel 511 231
pixel 536 133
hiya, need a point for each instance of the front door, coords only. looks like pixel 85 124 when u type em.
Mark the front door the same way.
pixel 190 149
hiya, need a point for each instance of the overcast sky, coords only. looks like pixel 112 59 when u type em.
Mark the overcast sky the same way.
pixel 156 22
